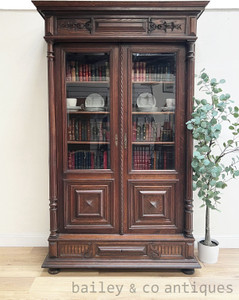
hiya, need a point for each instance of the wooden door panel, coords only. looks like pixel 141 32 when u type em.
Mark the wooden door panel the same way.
pixel 154 169
pixel 90 207
pixel 151 206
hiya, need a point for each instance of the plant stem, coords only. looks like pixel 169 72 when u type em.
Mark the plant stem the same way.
pixel 207 241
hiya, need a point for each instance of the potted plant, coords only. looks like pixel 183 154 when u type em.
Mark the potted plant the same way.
pixel 211 115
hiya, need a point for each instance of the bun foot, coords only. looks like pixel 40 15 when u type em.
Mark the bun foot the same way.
pixel 188 271
pixel 53 271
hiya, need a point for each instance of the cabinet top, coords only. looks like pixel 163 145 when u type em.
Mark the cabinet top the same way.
pixel 46 7
pixel 75 21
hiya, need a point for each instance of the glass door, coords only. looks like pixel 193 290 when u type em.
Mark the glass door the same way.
pixel 88 107
pixel 153 111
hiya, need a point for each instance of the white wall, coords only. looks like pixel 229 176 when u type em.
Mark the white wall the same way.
pixel 24 216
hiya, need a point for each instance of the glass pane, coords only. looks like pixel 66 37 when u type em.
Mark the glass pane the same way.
pixel 88 110
pixel 153 111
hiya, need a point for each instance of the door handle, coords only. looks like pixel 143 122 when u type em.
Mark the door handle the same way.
pixel 116 140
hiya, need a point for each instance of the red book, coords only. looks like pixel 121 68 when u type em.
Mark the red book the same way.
pixel 105 160
pixel 165 160
pixel 137 71
pixel 80 72
pixel 92 160
pixel 83 72
pixel 87 72
pixel 134 131
pixel 79 131
pixel 68 71
pixel 73 71
pixel 69 130
pixel 69 160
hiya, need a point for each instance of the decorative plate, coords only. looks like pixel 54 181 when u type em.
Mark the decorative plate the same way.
pixel 146 100
pixel 94 109
pixel 94 100
pixel 147 109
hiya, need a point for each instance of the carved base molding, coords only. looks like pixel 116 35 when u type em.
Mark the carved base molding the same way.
pixel 123 253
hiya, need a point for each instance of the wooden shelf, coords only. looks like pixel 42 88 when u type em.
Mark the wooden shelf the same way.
pixel 152 112
pixel 88 82
pixel 87 143
pixel 89 112
pixel 153 143
pixel 154 82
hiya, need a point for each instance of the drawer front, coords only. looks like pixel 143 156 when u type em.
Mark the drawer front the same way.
pixel 122 250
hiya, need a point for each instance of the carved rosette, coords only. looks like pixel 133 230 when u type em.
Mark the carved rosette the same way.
pixel 164 26
pixel 154 251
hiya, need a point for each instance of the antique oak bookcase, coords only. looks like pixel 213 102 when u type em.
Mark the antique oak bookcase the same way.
pixel 120 91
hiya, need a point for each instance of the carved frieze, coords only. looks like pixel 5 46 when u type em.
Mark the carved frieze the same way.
pixel 75 25
pixel 159 251
pixel 165 26
pixel 80 250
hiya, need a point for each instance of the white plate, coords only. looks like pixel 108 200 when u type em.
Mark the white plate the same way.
pixel 94 109
pixel 147 108
pixel 146 100
pixel 94 100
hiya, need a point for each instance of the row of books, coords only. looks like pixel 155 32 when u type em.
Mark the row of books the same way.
pixel 88 130
pixel 145 129
pixel 84 159
pixel 76 71
pixel 143 71
pixel 146 158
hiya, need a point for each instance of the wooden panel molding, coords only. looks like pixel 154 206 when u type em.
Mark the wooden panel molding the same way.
pixel 89 207
pixel 122 250
pixel 151 205
pixel 83 250
pixel 166 251
pixel 121 25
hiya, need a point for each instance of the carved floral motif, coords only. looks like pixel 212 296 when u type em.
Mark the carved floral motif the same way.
pixel 76 26
pixel 163 26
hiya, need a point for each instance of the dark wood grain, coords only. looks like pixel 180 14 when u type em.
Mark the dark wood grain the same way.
pixel 120 217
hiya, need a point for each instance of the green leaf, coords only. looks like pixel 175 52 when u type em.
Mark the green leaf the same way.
pixel 213 81
pixel 236 173
pixel 204 101
pixel 190 126
pixel 204 149
pixel 222 81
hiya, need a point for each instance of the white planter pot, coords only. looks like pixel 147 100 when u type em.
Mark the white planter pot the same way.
pixel 208 254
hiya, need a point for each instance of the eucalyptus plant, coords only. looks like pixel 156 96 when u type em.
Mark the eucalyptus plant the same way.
pixel 211 116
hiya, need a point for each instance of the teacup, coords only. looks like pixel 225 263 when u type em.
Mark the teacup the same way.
pixel 71 102
pixel 170 102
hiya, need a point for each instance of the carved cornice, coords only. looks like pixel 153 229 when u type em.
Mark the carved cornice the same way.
pixel 163 26
pixel 77 26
